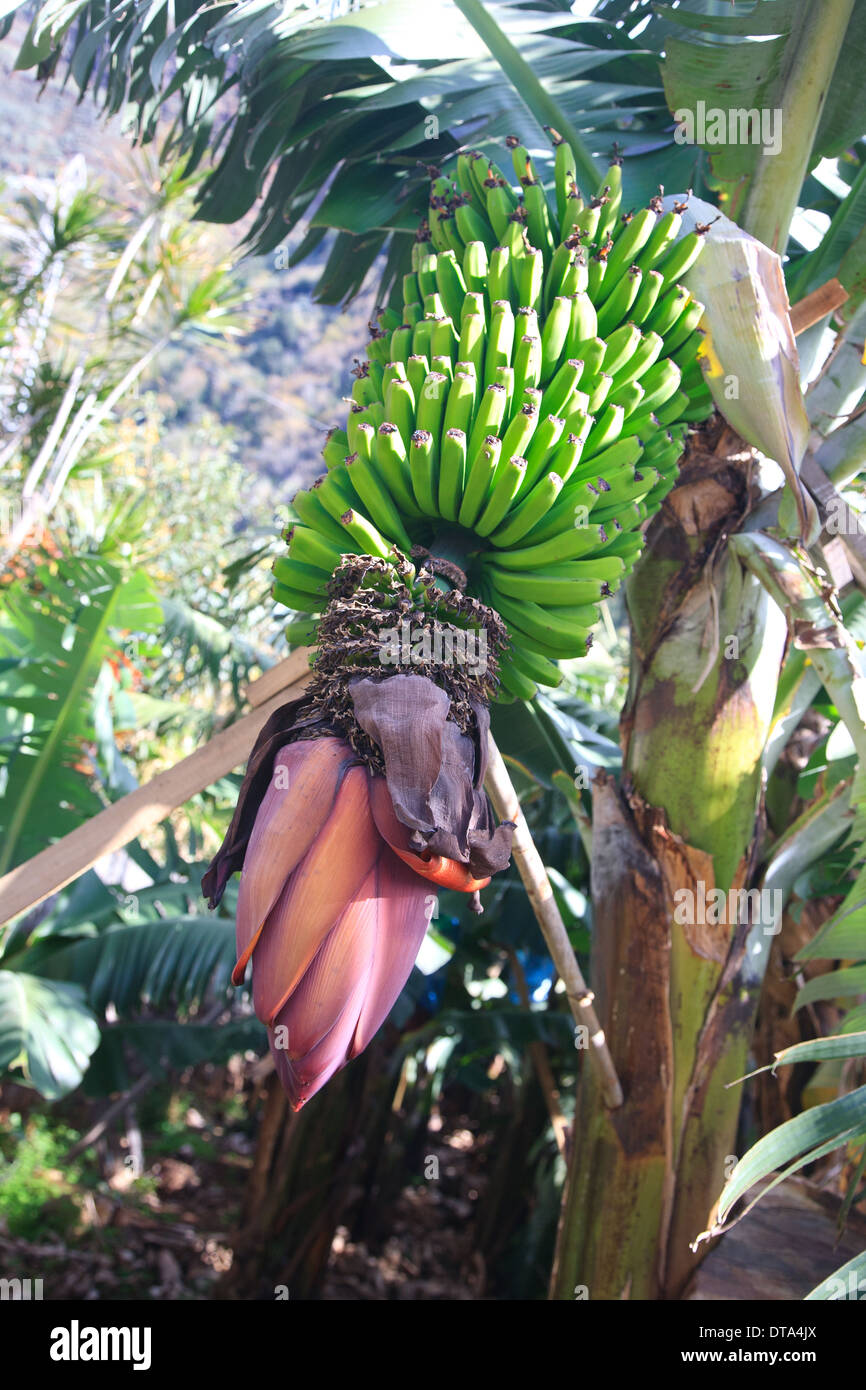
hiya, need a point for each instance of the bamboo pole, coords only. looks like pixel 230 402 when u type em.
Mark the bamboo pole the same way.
pixel 501 791
pixel 812 308
pixel 36 879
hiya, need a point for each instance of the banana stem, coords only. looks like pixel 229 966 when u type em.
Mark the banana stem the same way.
pixel 527 86
pixel 811 54
pixel 501 791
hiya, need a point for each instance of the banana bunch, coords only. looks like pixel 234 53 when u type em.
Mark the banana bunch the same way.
pixel 523 415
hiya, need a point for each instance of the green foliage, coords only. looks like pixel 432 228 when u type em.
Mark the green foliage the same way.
pixel 290 102
pixel 28 1154
pixel 46 1031
pixel 57 632
pixel 92 290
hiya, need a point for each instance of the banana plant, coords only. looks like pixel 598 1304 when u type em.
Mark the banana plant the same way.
pixel 58 631
pixel 835 821
pixel 709 641
pixel 107 974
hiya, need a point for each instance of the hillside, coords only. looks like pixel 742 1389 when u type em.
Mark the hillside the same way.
pixel 279 387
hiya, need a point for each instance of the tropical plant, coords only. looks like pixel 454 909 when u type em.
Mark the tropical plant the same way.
pixel 58 634
pixel 725 602
pixel 140 273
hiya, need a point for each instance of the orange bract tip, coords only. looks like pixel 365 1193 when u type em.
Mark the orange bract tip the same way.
pixel 447 873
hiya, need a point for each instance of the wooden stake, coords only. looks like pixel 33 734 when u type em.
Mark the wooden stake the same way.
pixel 29 883
pixel 501 791
pixel 817 305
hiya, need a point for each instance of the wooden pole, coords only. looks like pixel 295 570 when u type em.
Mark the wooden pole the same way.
pixel 29 883
pixel 815 306
pixel 501 791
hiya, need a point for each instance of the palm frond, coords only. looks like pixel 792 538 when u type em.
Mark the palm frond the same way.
pixel 280 105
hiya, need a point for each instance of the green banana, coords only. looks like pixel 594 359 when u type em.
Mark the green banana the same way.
pixel 630 239
pixel 335 448
pixel 452 469
pixel 504 376
pixel 392 461
pixel 500 340
pixel 460 405
pixel 681 257
pixel 506 484
pixel 527 364
pixel 293 598
pixel 628 396
pixel 554 335
pixel 311 548
pixel 303 633
pixel 684 327
pixel 371 540
pixel 623 454
pixel 443 339
pixel 604 432
pixel 573 208
pixel 475 268
pixel 489 417
pixel 425 274
pixel 529 279
pixel 672 409
pixel 301 578
pixel 378 502
pixel 592 353
pixel 560 390
pixel 515 440
pixel 566 457
pixel 618 304
pixel 663 235
pixel 563 168
pixel 538 219
pixel 611 192
pixel 599 392
pixel 514 683
pixel 423 471
pixel 660 383
pixel 478 479
pixel 645 354
pixel 499 284
pixel 472 343
pixel 569 545
pixel 541 669
pixel 573 507
pixel 668 309
pixel 556 586
pixel 543 443
pixel 651 287
pixel 473 303
pixel 473 227
pixel 417 368
pixel 400 408
pixel 521 519
pixel 430 406
pixel 523 167
pixel 401 343
pixel 620 346
pixel 550 628
pixel 596 271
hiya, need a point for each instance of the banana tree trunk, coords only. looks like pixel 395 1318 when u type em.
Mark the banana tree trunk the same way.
pixel 675 992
